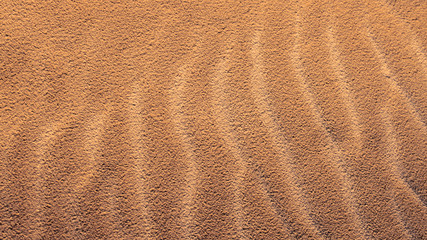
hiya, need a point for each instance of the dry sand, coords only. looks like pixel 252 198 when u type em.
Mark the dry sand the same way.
pixel 213 119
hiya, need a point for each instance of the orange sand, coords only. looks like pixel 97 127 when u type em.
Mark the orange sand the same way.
pixel 213 119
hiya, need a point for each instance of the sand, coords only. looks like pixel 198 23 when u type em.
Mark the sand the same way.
pixel 213 119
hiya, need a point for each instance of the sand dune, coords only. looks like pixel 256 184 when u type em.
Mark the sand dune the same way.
pixel 213 120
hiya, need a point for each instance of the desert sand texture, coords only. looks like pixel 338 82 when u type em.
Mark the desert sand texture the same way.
pixel 213 119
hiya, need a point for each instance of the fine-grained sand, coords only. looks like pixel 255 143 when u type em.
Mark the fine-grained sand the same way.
pixel 213 119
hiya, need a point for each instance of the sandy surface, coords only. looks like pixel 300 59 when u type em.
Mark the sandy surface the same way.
pixel 213 119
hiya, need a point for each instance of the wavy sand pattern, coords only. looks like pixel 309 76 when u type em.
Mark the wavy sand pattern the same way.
pixel 213 119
